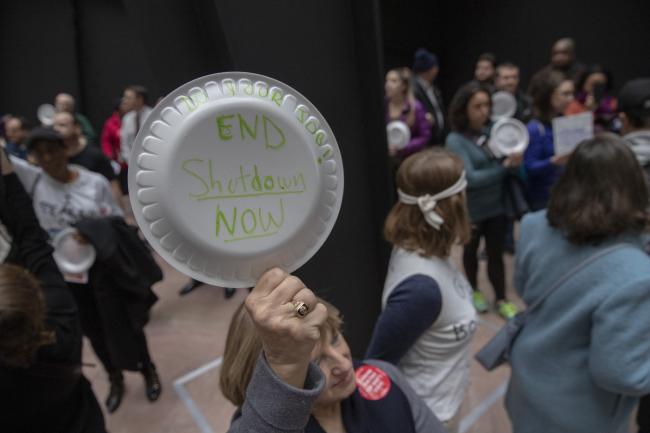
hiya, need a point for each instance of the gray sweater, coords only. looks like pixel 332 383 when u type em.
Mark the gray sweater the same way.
pixel 272 406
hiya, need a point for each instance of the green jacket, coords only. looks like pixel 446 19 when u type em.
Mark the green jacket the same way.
pixel 86 128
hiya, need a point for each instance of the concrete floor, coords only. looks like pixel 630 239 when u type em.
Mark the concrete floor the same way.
pixel 186 337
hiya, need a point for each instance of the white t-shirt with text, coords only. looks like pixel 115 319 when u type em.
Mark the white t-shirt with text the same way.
pixel 59 205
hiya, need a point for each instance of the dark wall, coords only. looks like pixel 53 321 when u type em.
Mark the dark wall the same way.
pixel 37 54
pixel 616 35
pixel 111 55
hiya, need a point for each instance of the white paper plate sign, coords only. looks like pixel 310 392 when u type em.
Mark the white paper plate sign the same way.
pixel 504 105
pixel 508 136
pixel 398 134
pixel 71 256
pixel 234 173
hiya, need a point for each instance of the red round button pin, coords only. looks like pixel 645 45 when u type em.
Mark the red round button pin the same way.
pixel 373 383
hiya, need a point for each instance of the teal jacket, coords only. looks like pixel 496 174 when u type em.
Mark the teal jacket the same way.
pixel 583 357
pixel 485 178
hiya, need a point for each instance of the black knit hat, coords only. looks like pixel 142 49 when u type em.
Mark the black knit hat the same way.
pixel 634 97
pixel 424 60
pixel 43 134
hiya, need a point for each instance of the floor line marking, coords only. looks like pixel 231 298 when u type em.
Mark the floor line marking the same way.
pixel 199 371
pixel 194 410
pixel 478 411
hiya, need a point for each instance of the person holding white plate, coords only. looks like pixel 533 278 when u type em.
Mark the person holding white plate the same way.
pixel 287 368
pixel 64 195
pixel 469 114
pixel 402 105
pixel 42 387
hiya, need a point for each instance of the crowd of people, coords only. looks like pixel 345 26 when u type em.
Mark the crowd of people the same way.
pixel 596 196
pixel 580 364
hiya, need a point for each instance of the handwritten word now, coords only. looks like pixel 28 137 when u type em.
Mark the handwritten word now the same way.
pixel 242 223
pixel 249 182
pixel 225 123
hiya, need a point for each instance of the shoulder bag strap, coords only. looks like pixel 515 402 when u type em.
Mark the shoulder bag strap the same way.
pixel 563 279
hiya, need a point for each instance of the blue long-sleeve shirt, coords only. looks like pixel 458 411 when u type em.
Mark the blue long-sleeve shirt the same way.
pixel 541 173
pixel 410 310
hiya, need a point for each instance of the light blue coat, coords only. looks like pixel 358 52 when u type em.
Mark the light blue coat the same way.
pixel 583 358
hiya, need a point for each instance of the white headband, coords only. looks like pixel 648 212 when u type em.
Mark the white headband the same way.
pixel 428 203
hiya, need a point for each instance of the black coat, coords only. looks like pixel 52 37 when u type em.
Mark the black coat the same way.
pixel 121 280
pixel 52 395
pixel 438 133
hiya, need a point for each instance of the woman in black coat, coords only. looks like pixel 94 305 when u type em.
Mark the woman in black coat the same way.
pixel 66 195
pixel 42 387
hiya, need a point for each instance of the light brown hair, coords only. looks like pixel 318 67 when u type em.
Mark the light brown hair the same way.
pixel 429 172
pixel 405 77
pixel 22 313
pixel 243 348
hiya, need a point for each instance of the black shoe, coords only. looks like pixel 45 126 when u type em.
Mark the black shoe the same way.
pixel 229 292
pixel 187 288
pixel 153 388
pixel 116 392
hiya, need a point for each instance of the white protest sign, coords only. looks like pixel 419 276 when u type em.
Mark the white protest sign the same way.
pixel 568 131
pixel 235 173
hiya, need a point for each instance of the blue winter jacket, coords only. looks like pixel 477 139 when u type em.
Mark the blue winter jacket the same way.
pixel 583 357
pixel 541 173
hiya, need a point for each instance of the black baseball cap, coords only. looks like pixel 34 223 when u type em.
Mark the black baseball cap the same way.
pixel 43 134
pixel 634 97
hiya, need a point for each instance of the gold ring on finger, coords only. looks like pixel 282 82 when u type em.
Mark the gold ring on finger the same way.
pixel 301 309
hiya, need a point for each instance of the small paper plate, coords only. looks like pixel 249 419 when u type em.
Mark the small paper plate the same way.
pixel 399 133
pixel 232 174
pixel 71 256
pixel 508 136
pixel 504 105
pixel 45 114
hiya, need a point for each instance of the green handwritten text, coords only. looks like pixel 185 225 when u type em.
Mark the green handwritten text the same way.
pixel 274 137
pixel 241 223
pixel 250 182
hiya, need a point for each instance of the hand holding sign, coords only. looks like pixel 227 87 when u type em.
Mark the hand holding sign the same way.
pixel 560 159
pixel 514 160
pixel 287 338
pixel 233 174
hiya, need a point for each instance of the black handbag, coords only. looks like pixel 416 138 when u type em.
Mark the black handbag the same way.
pixel 515 201
pixel 497 351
